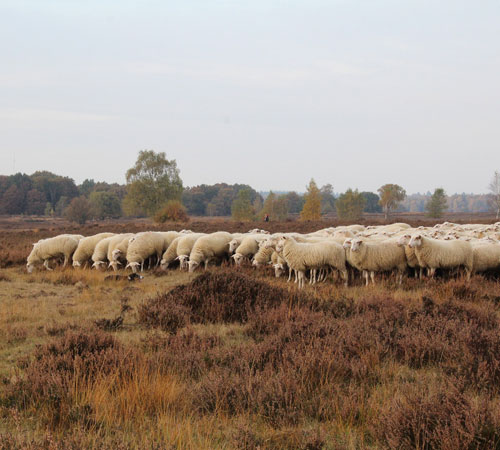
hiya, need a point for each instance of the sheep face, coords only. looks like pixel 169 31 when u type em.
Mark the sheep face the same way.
pixel 356 245
pixel 77 264
pixel 133 265
pixel 404 240
pixel 115 254
pixel 98 265
pixel 233 245
pixel 29 267
pixel 193 265
pixel 281 243
pixel 415 241
pixel 183 262
pixel 347 244
pixel 238 258
pixel 163 264
pixel 279 270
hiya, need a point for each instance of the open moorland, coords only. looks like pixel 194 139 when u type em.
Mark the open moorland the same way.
pixel 236 358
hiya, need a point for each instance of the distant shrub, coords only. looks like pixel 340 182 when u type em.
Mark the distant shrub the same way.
pixel 173 211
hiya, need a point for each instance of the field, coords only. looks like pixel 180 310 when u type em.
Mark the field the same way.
pixel 234 358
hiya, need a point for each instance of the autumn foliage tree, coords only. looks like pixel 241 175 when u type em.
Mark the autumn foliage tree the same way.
pixel 151 183
pixel 312 205
pixel 390 196
pixel 79 210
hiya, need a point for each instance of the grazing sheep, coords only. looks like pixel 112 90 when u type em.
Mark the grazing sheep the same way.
pixel 208 248
pixel 146 245
pixel 113 243
pixel 100 255
pixel 170 254
pixel 263 256
pixel 46 249
pixel 371 257
pixel 185 247
pixel 120 251
pixel 304 256
pixel 248 248
pixel 434 254
pixel 86 247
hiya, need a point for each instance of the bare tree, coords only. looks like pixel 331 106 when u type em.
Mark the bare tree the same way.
pixel 494 188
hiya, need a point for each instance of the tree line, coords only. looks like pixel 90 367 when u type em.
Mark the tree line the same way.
pixel 154 188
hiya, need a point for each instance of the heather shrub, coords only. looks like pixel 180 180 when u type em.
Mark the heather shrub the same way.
pixel 56 369
pixel 173 211
pixel 438 416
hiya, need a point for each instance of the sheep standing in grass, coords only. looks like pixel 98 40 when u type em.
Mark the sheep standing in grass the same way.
pixel 248 248
pixel 486 256
pixel 100 255
pixel 371 257
pixel 208 248
pixel 147 245
pixel 312 256
pixel 185 247
pixel 46 249
pixel 119 253
pixel 263 256
pixel 411 257
pixel 434 254
pixel 113 243
pixel 170 254
pixel 86 247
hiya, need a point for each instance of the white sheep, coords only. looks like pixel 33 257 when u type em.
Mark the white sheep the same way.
pixel 46 249
pixel 248 248
pixel 185 247
pixel 486 256
pixel 433 254
pixel 411 257
pixel 263 256
pixel 100 255
pixel 370 257
pixel 113 244
pixel 146 245
pixel 312 256
pixel 86 247
pixel 209 247
pixel 170 254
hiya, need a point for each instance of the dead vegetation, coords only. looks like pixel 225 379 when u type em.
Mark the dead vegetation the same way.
pixel 236 359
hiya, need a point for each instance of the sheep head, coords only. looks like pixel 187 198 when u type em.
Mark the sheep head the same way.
pixel 415 241
pixel 356 245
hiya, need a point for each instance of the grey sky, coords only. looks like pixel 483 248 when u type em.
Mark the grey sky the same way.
pixel 265 92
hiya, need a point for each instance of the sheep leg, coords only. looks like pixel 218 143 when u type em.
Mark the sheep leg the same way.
pixel 46 264
pixel 421 273
pixel 365 276
pixel 372 276
pixel 289 275
pixel 66 259
pixel 301 279
pixel 400 278
pixel 345 275
pixel 431 272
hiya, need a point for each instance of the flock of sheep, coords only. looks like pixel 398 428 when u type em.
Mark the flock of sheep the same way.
pixel 344 250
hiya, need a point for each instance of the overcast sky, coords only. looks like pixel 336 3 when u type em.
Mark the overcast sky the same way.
pixel 264 92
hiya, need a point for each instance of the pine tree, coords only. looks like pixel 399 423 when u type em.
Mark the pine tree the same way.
pixel 437 204
pixel 312 206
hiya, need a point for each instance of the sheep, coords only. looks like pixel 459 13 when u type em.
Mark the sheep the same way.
pixel 248 248
pixel 411 257
pixel 86 247
pixel 184 249
pixel 486 256
pixel 113 243
pixel 100 254
pixel 146 245
pixel 209 247
pixel 371 257
pixel 263 256
pixel 303 256
pixel 170 254
pixel 119 253
pixel 45 249
pixel 434 254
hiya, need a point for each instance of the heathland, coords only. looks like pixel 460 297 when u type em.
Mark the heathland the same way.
pixel 235 358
